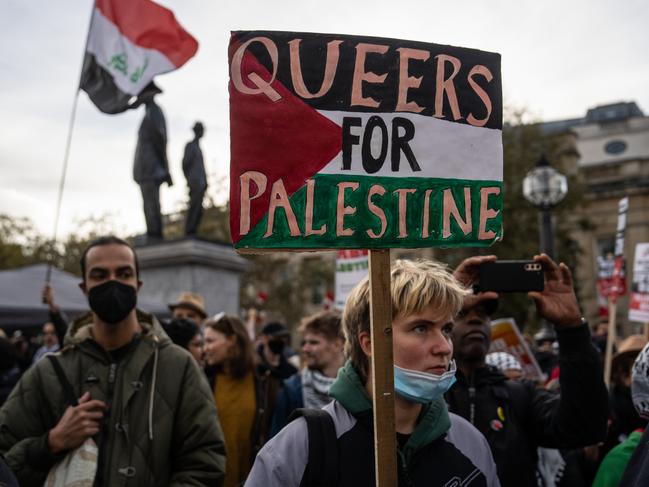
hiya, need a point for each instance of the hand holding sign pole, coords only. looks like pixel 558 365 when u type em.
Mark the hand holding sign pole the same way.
pixel 347 142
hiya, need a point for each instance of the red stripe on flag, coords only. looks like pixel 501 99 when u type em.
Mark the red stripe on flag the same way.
pixel 286 139
pixel 151 26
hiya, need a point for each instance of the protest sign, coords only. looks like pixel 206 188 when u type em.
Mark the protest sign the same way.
pixel 351 268
pixel 348 142
pixel 605 285
pixel 362 143
pixel 618 286
pixel 619 282
pixel 505 337
pixel 639 302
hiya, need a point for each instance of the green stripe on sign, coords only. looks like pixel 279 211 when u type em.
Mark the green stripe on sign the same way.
pixel 365 212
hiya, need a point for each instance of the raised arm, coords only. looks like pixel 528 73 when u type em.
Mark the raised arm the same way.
pixel 578 418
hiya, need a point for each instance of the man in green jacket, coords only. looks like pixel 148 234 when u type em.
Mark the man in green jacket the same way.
pixel 141 398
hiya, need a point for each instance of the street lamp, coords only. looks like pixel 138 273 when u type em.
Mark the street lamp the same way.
pixel 545 187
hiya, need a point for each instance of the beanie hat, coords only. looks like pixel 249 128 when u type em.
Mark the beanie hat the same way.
pixel 181 331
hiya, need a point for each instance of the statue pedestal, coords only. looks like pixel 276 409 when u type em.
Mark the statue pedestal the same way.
pixel 192 265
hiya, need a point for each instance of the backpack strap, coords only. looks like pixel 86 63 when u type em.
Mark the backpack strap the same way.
pixel 70 396
pixel 322 466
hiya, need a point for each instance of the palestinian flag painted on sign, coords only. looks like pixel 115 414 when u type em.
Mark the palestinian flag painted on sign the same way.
pixel 359 142
pixel 129 43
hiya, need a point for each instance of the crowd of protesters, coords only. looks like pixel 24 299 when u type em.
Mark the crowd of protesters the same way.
pixel 112 398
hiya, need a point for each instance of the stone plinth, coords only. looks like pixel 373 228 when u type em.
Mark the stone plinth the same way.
pixel 192 265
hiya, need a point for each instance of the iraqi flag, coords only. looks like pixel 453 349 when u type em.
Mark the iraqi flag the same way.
pixel 129 43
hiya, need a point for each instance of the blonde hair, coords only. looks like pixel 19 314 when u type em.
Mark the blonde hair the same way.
pixel 413 286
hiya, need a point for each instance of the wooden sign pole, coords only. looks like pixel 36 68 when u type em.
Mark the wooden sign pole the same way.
pixel 385 451
pixel 646 331
pixel 612 335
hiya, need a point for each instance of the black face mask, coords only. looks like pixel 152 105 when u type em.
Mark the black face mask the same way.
pixel 112 301
pixel 276 346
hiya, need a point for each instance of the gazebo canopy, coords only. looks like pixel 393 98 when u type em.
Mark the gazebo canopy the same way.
pixel 21 290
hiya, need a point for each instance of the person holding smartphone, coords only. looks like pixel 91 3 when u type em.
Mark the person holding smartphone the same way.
pixel 516 417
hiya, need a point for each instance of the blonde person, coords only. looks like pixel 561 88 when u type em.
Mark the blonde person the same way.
pixel 241 396
pixel 434 447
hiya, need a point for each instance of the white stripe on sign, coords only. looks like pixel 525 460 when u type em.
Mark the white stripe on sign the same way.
pixel 131 66
pixel 442 149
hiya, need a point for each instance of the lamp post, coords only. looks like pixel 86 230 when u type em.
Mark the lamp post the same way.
pixel 545 187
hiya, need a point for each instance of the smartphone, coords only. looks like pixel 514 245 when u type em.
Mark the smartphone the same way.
pixel 511 276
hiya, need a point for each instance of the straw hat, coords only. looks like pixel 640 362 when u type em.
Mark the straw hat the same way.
pixel 193 301
pixel 630 346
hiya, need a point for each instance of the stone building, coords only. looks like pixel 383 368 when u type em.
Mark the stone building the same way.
pixel 612 148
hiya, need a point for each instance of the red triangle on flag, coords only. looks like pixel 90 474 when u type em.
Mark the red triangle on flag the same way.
pixel 285 139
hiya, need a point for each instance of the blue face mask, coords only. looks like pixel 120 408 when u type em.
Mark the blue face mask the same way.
pixel 422 387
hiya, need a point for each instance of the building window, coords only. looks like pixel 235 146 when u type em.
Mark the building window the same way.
pixel 615 147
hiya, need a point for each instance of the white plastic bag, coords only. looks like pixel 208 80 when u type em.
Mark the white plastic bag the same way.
pixel 77 469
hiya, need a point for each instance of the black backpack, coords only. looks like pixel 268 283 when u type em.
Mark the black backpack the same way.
pixel 322 465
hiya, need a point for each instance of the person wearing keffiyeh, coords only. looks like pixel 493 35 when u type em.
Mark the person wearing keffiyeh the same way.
pixel 626 465
pixel 506 363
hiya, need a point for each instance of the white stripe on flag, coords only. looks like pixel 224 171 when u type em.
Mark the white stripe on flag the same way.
pixel 443 149
pixel 131 66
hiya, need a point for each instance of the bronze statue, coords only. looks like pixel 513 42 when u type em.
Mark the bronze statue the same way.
pixel 151 167
pixel 194 170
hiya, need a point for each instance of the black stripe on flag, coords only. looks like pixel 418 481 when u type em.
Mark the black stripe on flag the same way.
pixel 101 87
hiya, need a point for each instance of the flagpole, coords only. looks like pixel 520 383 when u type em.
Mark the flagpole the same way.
pixel 66 155
pixel 64 172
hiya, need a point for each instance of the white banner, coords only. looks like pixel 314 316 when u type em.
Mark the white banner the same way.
pixel 351 267
pixel 639 302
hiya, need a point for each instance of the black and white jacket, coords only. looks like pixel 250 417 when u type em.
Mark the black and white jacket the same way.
pixel 444 450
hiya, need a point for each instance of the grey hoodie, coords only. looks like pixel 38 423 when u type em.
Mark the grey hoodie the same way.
pixel 444 449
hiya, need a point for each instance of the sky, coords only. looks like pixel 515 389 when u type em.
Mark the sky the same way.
pixel 559 58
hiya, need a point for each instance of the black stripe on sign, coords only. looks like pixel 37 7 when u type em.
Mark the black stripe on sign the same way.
pixel 313 52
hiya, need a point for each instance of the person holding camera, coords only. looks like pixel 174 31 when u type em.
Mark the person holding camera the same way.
pixel 272 352
pixel 516 417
